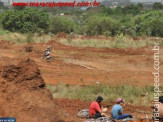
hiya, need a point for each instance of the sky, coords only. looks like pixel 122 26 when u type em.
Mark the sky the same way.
pixel 76 0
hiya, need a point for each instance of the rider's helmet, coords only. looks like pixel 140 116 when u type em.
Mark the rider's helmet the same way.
pixel 48 48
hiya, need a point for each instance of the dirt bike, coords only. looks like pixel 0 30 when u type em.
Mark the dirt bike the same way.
pixel 85 114
pixel 48 59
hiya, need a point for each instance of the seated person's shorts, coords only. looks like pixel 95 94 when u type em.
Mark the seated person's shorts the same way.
pixel 97 115
pixel 123 116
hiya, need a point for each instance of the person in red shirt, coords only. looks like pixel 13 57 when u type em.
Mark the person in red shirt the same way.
pixel 95 110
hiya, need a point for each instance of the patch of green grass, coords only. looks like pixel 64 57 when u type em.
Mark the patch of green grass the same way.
pixel 24 38
pixel 2 32
pixel 118 42
pixel 130 93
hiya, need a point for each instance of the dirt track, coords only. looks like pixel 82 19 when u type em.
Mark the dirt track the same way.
pixel 86 66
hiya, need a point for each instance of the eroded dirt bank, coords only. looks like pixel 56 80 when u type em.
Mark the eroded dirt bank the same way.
pixel 23 94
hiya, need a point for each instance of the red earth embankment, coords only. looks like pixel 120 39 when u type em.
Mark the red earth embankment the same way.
pixel 23 94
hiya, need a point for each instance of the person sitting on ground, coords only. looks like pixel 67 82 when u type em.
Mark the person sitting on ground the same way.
pixel 116 111
pixel 161 107
pixel 158 110
pixel 95 109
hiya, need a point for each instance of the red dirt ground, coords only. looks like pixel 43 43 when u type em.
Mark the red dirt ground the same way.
pixel 71 64
pixel 73 106
pixel 23 95
pixel 76 66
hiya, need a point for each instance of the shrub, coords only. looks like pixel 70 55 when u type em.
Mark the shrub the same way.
pixel 147 24
pixel 97 25
pixel 59 24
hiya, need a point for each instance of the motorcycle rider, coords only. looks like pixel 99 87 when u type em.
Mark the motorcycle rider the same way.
pixel 47 54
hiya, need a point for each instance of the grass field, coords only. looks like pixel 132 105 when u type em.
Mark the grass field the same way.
pixel 24 38
pixel 118 42
pixel 132 95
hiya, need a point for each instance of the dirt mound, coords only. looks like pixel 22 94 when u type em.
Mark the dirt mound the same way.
pixel 23 94
pixel 26 74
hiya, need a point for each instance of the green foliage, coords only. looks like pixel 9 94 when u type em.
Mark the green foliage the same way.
pixel 144 24
pixel 131 93
pixel 120 41
pixel 29 38
pixel 27 20
pixel 97 25
pixel 19 7
pixel 130 9
pixel 148 24
pixel 0 20
pixel 59 24
pixel 157 6
pixel 131 20
pixel 2 32
pixel 1 4
pixel 133 9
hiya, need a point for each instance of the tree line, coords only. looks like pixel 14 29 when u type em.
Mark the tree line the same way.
pixel 131 20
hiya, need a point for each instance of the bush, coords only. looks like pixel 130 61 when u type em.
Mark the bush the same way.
pixel 59 24
pixel 27 20
pixel 97 25
pixel 147 24
pixel 157 6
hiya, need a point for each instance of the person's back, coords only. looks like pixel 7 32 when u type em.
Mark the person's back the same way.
pixel 116 110
pixel 93 108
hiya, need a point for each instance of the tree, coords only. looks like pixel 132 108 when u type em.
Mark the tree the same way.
pixel 1 4
pixel 97 25
pixel 157 6
pixel 133 9
pixel 27 20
